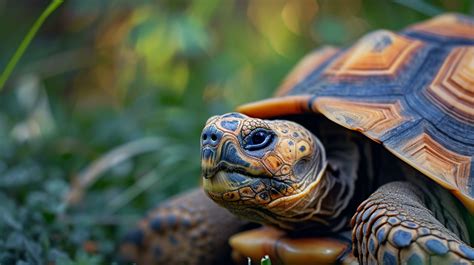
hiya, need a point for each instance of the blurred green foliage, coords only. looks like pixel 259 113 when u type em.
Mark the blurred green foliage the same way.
pixel 101 118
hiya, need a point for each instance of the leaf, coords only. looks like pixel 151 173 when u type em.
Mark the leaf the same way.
pixel 33 251
pixel 58 256
pixel 7 219
pixel 265 260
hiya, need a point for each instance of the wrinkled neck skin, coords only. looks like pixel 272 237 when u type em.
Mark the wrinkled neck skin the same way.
pixel 317 203
pixel 306 192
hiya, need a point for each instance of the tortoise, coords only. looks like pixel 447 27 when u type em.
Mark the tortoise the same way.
pixel 368 148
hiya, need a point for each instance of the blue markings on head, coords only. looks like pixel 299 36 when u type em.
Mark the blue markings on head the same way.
pixel 436 246
pixel 229 154
pixel 230 125
pixel 207 153
pixel 236 178
pixel 264 195
pixel 211 135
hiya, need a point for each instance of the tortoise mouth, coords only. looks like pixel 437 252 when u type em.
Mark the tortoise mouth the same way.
pixel 228 186
pixel 225 168
pixel 224 180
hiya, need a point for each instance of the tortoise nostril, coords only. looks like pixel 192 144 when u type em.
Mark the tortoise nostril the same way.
pixel 211 136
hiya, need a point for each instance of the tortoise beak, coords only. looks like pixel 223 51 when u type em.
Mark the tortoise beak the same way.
pixel 208 162
pixel 210 139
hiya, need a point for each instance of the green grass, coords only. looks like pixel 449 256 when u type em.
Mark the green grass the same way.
pixel 27 40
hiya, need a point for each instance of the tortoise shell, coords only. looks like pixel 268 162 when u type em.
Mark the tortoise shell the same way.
pixel 411 91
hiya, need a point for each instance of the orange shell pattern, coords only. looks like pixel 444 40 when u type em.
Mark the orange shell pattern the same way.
pixel 411 91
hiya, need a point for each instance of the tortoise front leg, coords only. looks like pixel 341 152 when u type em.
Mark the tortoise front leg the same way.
pixel 402 223
pixel 187 229
pixel 287 249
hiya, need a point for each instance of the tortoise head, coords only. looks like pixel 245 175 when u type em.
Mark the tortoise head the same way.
pixel 263 170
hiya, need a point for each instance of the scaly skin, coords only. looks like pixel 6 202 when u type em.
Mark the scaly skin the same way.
pixel 406 223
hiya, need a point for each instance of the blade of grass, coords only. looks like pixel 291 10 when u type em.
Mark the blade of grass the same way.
pixel 145 182
pixel 112 158
pixel 27 40
pixel 420 6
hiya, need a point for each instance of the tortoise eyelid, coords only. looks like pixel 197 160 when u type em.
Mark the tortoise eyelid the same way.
pixel 266 142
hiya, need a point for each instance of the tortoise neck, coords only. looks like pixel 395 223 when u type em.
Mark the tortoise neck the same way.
pixel 323 208
pixel 324 200
pixel 336 188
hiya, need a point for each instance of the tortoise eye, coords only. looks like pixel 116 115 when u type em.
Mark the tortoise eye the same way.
pixel 258 139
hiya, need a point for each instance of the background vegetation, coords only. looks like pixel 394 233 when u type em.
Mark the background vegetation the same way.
pixel 101 118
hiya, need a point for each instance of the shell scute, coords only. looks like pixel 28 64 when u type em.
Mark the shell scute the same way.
pixel 448 28
pixel 412 91
pixel 381 53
